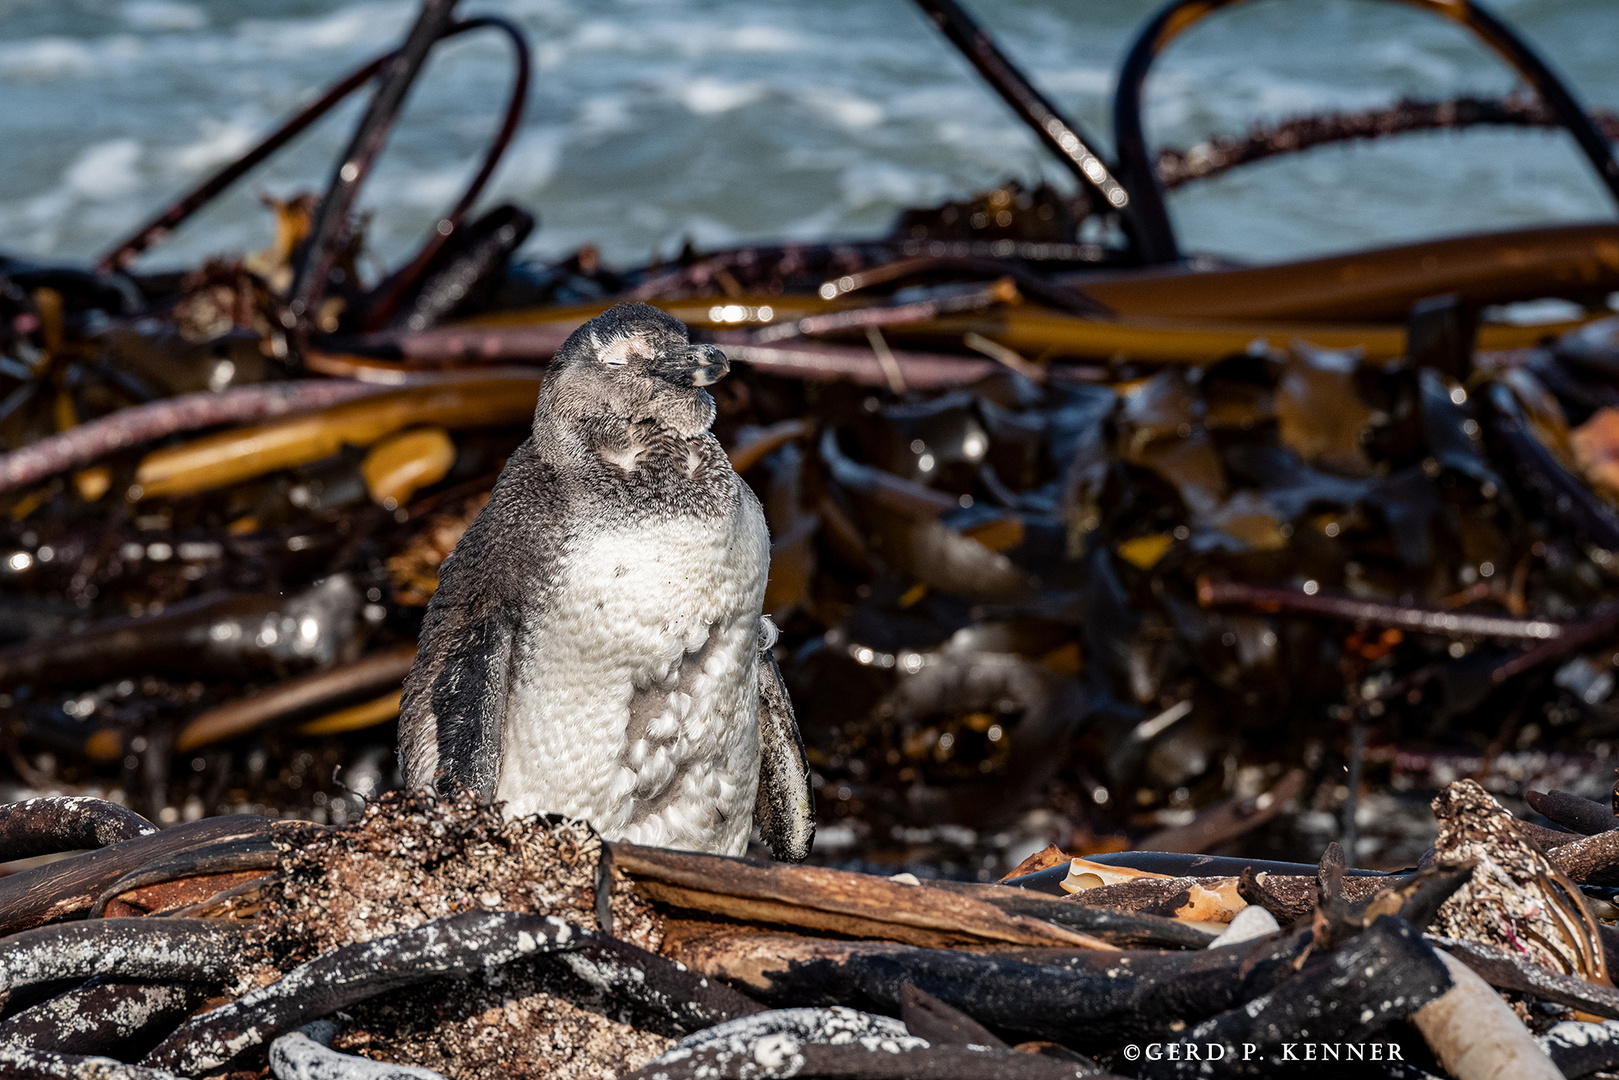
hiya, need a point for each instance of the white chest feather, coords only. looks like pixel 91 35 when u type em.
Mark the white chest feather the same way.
pixel 636 703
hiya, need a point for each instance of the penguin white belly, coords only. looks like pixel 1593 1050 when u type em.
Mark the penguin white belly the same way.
pixel 637 704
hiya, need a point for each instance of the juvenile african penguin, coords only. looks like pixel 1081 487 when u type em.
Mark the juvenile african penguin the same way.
pixel 596 647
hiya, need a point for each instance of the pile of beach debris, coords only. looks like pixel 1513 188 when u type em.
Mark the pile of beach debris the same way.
pixel 452 942
pixel 1075 540
pixel 1107 596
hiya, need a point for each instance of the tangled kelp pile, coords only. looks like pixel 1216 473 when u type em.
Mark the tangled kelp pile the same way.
pixel 1073 541
pixel 1121 596
pixel 449 942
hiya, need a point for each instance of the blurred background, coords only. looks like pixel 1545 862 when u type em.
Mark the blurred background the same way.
pixel 652 123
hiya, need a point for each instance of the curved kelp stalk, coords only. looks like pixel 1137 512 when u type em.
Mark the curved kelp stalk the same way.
pixel 399 68
pixel 1136 168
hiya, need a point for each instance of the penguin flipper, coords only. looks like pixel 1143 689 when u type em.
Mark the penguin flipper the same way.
pixel 785 807
pixel 454 706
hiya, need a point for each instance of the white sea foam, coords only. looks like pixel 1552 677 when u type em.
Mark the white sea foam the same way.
pixel 705 95
pixel 45 58
pixel 164 15
pixel 849 110
pixel 105 170
pixel 218 142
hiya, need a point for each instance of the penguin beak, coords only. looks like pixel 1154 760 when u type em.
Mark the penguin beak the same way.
pixel 711 365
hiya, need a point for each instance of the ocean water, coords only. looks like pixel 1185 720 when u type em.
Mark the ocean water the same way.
pixel 651 122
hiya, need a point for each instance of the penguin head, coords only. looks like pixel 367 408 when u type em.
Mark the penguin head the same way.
pixel 636 363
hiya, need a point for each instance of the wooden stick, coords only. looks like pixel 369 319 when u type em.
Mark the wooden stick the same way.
pixel 1269 598
pixel 858 905
pixel 60 889
pixel 139 424
pixel 235 718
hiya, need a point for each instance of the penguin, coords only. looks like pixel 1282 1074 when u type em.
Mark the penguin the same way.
pixel 596 646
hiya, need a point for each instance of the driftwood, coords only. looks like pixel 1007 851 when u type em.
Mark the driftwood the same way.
pixel 37 896
pixel 813 897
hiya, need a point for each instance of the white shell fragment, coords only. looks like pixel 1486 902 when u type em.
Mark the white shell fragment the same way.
pixel 1250 923
pixel 1476 1036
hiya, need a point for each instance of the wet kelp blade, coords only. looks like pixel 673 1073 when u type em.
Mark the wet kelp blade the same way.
pixel 119 1019
pixel 1088 999
pixel 1377 285
pixel 456 944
